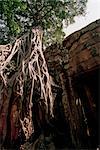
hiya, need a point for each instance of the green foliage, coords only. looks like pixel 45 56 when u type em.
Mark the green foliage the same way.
pixel 19 16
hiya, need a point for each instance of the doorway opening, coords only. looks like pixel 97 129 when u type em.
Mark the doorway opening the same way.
pixel 87 88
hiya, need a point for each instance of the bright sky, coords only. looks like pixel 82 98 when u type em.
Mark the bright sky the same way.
pixel 92 14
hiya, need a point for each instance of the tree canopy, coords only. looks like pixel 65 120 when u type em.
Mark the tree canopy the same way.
pixel 18 16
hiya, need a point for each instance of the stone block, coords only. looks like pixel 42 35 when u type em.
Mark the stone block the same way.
pixel 84 38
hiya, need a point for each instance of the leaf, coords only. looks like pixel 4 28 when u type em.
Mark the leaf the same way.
pixel 18 15
pixel 62 14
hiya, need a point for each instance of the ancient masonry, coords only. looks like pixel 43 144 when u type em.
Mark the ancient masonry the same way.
pixel 77 62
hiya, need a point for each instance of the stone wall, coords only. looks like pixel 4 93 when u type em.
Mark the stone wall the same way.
pixel 84 48
pixel 79 50
pixel 79 53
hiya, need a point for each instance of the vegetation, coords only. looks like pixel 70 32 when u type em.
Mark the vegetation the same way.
pixel 18 16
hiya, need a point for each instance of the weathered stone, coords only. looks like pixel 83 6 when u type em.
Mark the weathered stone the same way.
pixel 84 38
pixel 79 55
pixel 98 22
pixel 73 49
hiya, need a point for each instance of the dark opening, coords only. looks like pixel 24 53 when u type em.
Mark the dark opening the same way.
pixel 87 88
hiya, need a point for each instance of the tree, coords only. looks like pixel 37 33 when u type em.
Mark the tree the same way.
pixel 18 16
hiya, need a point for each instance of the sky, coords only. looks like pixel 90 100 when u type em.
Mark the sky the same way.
pixel 92 14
